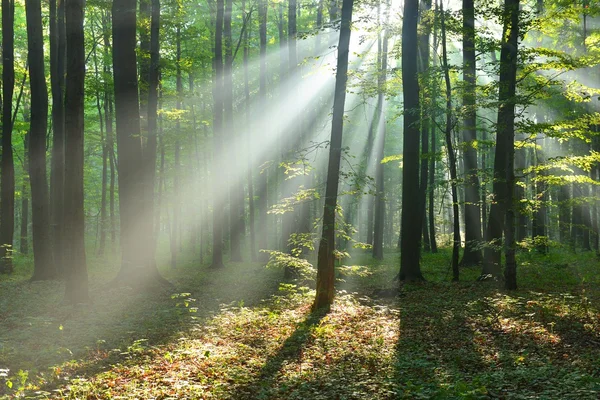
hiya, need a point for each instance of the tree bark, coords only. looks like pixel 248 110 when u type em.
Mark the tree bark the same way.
pixel 137 261
pixel 7 177
pixel 502 207
pixel 473 238
pixel 451 154
pixel 218 190
pixel 410 229
pixel 263 191
pixel 380 202
pixel 44 267
pixel 76 289
pixel 326 257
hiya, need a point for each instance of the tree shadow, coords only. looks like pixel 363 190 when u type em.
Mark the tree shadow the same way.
pixel 291 350
pixel 56 344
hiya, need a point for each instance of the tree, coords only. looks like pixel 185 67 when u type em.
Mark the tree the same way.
pixel 57 161
pixel 472 253
pixel 380 145
pixel 137 262
pixel 326 255
pixel 76 289
pixel 410 230
pixel 7 177
pixel 44 267
pixel 218 218
pixel 502 208
pixel 451 154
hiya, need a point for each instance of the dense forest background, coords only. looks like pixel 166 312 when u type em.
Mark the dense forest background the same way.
pixel 157 152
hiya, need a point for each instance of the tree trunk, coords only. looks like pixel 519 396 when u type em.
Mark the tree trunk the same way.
pixel 451 155
pixel 425 120
pixel 251 210
pixel 262 100
pixel 502 207
pixel 76 289
pixel 472 253
pixel 24 243
pixel 218 190
pixel 410 230
pixel 326 257
pixel 7 177
pixel 380 202
pixel 44 267
pixel 137 260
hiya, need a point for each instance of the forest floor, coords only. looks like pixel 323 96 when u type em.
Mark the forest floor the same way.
pixel 238 333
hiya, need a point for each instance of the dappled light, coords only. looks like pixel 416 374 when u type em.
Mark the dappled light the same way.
pixel 299 199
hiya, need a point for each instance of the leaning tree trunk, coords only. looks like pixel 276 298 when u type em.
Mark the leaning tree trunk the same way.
pixel 7 177
pixel 44 267
pixel 326 257
pixel 410 229
pixel 76 289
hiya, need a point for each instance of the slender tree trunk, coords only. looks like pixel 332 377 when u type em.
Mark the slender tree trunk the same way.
pixel 76 289
pixel 153 100
pixel 251 208
pixel 57 174
pixel 24 243
pixel 380 202
pixel 104 184
pixel 326 257
pixel 44 267
pixel 431 212
pixel 425 121
pixel 473 238
pixel 7 177
pixel 218 190
pixel 262 100
pixel 451 154
pixel 410 230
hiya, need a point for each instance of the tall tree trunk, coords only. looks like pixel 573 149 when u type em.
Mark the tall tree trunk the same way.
pixel 425 121
pixel 24 242
pixel 76 289
pixel 218 189
pixel 326 257
pixel 262 100
pixel 410 230
pixel 137 261
pixel 451 154
pixel 151 146
pixel 104 184
pixel 7 177
pixel 539 220
pixel 380 202
pixel 512 7
pixel 472 253
pixel 503 207
pixel 44 267
pixel 57 173
pixel 249 172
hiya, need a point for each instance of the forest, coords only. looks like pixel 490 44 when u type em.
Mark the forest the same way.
pixel 300 199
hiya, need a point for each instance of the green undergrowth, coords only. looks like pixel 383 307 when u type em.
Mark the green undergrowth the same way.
pixel 238 333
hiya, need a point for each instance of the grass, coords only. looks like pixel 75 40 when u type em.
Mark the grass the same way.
pixel 240 334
